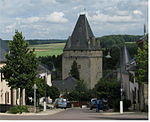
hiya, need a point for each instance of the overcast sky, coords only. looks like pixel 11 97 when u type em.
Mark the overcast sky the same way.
pixel 47 19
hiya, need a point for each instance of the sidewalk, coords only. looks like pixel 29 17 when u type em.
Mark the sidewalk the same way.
pixel 124 113
pixel 47 112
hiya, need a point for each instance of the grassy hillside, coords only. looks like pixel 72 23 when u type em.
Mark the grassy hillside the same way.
pixel 55 48
pixel 45 41
pixel 48 49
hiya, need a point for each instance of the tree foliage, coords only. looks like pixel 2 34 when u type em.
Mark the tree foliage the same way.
pixel 43 90
pixel 74 70
pixel 108 41
pixel 109 89
pixel 81 93
pixel 57 61
pixel 142 64
pixel 81 87
pixel 40 91
pixel 52 92
pixel 21 65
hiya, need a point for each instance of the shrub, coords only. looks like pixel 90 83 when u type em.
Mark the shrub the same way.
pixel 145 109
pixel 116 105
pixel 18 109
pixel 126 104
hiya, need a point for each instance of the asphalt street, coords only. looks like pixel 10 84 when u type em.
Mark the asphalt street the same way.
pixel 78 114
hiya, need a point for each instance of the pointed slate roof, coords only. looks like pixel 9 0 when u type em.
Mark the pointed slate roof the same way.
pixel 125 59
pixel 82 37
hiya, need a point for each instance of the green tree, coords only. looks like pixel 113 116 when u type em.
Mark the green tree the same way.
pixel 74 70
pixel 21 65
pixel 40 92
pixel 142 64
pixel 43 90
pixel 109 89
pixel 57 61
pixel 80 87
pixel 52 91
pixel 81 93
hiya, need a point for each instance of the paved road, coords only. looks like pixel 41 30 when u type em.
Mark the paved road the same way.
pixel 78 114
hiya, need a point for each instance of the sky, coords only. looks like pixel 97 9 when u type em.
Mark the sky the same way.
pixel 55 19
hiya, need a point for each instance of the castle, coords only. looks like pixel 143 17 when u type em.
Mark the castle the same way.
pixel 83 48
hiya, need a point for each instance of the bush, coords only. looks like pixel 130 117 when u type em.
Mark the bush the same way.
pixel 126 105
pixel 18 109
pixel 116 105
pixel 145 109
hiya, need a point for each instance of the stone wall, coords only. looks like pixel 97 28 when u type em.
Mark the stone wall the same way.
pixel 89 65
pixel 143 96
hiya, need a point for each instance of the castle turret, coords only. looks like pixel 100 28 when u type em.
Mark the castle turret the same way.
pixel 82 47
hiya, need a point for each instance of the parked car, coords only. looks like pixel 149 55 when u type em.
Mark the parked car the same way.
pixel 60 103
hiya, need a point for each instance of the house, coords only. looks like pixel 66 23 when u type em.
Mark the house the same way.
pixel 133 84
pixel 83 48
pixel 138 92
pixel 7 95
pixel 130 86
pixel 44 73
pixel 65 85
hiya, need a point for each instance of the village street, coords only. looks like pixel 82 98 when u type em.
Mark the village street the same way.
pixel 76 114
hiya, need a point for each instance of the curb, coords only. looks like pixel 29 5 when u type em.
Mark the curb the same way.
pixel 48 112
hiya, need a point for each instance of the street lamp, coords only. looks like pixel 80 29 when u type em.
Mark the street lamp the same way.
pixel 121 89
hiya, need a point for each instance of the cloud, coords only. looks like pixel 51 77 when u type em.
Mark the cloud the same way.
pixel 57 17
pixel 33 17
pixel 28 19
pixel 113 18
pixel 10 28
pixel 137 12
pixel 78 7
pixel 122 12
pixel 49 1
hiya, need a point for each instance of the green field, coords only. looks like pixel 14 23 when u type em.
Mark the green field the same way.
pixel 48 49
pixel 53 49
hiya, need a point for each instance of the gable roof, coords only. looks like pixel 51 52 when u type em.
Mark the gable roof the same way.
pixel 82 37
pixel 125 59
pixel 68 84
pixel 43 69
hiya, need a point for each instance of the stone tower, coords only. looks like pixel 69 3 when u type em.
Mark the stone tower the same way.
pixel 82 47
